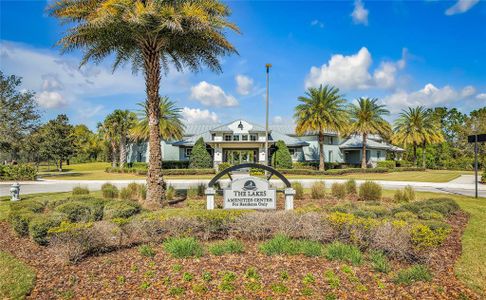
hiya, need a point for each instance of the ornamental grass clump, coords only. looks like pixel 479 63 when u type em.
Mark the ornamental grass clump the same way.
pixel 299 190
pixel 183 247
pixel 78 190
pixel 282 244
pixel 351 187
pixel 226 247
pixel 318 190
pixel 146 250
pixel 413 274
pixel 405 195
pixel 338 190
pixel 379 261
pixel 370 191
pixel 109 191
pixel 344 252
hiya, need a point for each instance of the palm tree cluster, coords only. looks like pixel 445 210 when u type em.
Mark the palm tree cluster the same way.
pixel 153 35
pixel 324 109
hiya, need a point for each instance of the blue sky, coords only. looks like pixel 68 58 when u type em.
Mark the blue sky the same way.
pixel 405 53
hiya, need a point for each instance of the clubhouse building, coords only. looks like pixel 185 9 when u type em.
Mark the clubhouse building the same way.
pixel 241 141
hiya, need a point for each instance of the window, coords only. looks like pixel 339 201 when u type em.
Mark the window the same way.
pixel 378 154
pixel 292 151
pixel 329 156
pixel 227 137
pixel 244 137
pixel 331 140
pixel 213 135
pixel 253 137
pixel 188 151
pixel 236 137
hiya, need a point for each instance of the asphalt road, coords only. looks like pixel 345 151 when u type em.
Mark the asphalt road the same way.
pixel 463 185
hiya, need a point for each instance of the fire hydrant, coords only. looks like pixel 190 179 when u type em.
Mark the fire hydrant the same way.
pixel 15 192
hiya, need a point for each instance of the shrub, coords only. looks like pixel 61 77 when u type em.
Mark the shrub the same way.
pixel 392 238
pixel 445 206
pixel 413 274
pixel 78 190
pixel 338 190
pixel 299 190
pixel 351 188
pixel 142 192
pixel 281 159
pixel 428 214
pixel 340 251
pixel 405 195
pixel 109 191
pixel 318 190
pixel 389 164
pixel 125 194
pixel 133 191
pixel 226 246
pixel 170 193
pixel 379 261
pixel 424 237
pixel 35 206
pixel 405 216
pixel 483 177
pixel 223 166
pixel 19 220
pixel 18 172
pixel 200 157
pixel 146 250
pixel 121 209
pixel 76 211
pixel 40 225
pixel 183 247
pixel 370 190
pixel 256 172
pixel 404 163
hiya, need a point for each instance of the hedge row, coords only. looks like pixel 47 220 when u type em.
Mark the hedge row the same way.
pixel 166 164
pixel 345 171
pixel 164 171
pixel 17 172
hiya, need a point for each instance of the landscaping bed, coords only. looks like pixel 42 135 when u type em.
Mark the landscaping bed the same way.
pixel 336 246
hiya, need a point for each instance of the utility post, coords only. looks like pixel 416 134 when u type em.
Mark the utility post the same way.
pixel 267 66
pixel 476 165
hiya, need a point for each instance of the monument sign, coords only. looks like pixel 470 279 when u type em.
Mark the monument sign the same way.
pixel 250 193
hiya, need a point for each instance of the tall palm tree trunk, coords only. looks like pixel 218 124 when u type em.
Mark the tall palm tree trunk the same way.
pixel 113 154
pixel 423 155
pixel 363 151
pixel 321 152
pixel 414 154
pixel 155 180
pixel 123 150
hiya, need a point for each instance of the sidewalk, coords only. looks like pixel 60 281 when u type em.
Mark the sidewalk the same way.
pixel 462 186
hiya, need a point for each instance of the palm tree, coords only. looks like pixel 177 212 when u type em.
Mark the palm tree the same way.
pixel 108 132
pixel 415 126
pixel 170 124
pixel 124 120
pixel 152 34
pixel 322 109
pixel 367 118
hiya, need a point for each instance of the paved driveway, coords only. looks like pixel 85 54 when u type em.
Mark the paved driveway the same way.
pixel 463 185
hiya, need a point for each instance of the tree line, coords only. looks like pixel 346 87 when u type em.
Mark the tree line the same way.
pixel 432 137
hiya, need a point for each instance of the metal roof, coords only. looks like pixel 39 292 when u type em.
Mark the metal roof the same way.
pixel 372 142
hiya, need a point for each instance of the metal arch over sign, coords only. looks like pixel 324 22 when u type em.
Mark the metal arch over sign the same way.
pixel 249 165
pixel 250 192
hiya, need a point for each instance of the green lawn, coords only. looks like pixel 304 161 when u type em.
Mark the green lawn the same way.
pixel 16 278
pixel 96 171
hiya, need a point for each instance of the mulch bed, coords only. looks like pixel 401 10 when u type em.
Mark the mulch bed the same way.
pixel 122 274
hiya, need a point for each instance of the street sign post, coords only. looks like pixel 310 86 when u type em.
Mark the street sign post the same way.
pixel 476 138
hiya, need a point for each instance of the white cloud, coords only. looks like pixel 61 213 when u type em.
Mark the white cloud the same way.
pixel 196 115
pixel 429 96
pixel 360 13
pixel 277 120
pixel 58 81
pixel 91 111
pixel 460 7
pixel 481 96
pixel 48 99
pixel 244 84
pixel 317 23
pixel 352 72
pixel 212 95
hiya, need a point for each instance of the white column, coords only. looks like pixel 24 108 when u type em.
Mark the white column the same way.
pixel 218 156
pixel 261 155
pixel 210 192
pixel 289 198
